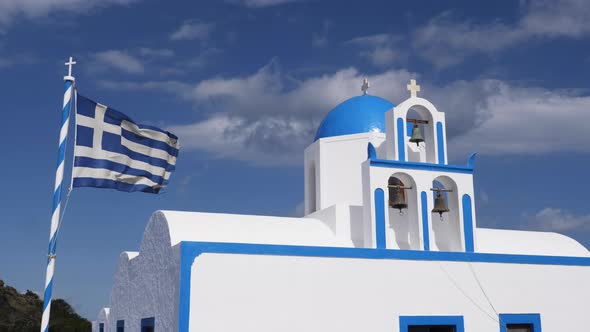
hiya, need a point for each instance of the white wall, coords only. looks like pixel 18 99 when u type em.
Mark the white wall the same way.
pixel 337 163
pixel 270 293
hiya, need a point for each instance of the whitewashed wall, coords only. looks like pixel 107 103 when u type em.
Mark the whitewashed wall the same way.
pixel 270 293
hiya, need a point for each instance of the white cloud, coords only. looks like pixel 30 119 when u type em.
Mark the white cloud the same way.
pixel 119 60
pixel 192 30
pixel 445 42
pixel 260 3
pixel 380 49
pixel 10 9
pixel 156 53
pixel 558 220
pixel 265 117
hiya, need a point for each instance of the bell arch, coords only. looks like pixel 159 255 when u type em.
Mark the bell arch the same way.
pixel 419 119
pixel 446 225
pixel 404 227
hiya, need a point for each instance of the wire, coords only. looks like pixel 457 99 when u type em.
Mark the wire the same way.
pixel 484 293
pixel 492 317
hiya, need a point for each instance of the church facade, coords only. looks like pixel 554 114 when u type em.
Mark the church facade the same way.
pixel 389 243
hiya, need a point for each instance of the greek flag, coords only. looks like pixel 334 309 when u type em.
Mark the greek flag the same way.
pixel 112 151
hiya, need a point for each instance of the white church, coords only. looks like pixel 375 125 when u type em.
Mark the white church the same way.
pixel 389 243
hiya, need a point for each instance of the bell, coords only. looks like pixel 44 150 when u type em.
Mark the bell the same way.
pixel 416 135
pixel 440 206
pixel 399 201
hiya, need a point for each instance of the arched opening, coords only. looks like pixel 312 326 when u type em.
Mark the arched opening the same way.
pixel 403 231
pixel 446 225
pixel 420 125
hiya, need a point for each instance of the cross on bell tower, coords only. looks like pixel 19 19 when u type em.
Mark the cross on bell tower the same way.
pixel 413 88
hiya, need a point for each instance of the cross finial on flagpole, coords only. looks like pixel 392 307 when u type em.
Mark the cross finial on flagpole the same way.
pixel 413 88
pixel 365 86
pixel 70 64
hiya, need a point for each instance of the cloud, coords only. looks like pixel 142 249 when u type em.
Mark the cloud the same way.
pixel 380 49
pixel 269 118
pixel 260 3
pixel 118 59
pixel 156 53
pixel 11 9
pixel 557 220
pixel 515 120
pixel 445 41
pixel 192 30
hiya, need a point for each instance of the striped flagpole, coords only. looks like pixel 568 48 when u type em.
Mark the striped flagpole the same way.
pixel 55 217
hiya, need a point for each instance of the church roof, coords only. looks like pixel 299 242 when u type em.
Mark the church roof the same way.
pixel 361 114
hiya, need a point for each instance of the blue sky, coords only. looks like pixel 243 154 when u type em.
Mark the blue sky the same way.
pixel 244 83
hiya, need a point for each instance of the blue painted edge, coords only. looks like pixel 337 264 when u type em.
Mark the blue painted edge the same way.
pixel 371 152
pixel 380 218
pixel 190 250
pixel 406 321
pixel 425 229
pixel 468 223
pixel 421 166
pixel 440 143
pixel 401 142
pixel 148 322
pixel 471 161
pixel 533 319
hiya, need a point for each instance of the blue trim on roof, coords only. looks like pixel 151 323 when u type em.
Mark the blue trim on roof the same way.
pixel 360 114
pixel 190 250
pixel 421 166
pixel 532 319
pixel 406 321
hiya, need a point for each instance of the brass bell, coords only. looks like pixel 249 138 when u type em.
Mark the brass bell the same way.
pixel 399 199
pixel 440 206
pixel 416 135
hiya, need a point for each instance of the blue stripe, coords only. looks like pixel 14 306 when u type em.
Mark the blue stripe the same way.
pixel 421 166
pixel 113 166
pixel 47 295
pixel 56 198
pixel 152 143
pixel 468 223
pixel 401 142
pixel 61 152
pixel 425 229
pixel 112 116
pixel 380 218
pixel 110 184
pixel 440 143
pixel 112 142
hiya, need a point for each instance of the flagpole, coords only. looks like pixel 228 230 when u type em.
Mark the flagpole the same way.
pixel 55 217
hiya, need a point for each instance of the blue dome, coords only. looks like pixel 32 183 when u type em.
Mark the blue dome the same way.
pixel 361 114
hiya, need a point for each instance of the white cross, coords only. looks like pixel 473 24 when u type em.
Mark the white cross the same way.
pixel 98 125
pixel 365 86
pixel 413 88
pixel 70 64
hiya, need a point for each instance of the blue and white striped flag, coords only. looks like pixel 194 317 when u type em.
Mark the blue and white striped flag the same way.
pixel 112 151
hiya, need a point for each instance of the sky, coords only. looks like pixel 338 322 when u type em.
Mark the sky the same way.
pixel 245 83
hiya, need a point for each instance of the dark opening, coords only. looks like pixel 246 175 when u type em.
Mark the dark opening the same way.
pixel 519 328
pixel 101 327
pixel 432 328
pixel 148 324
pixel 120 326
